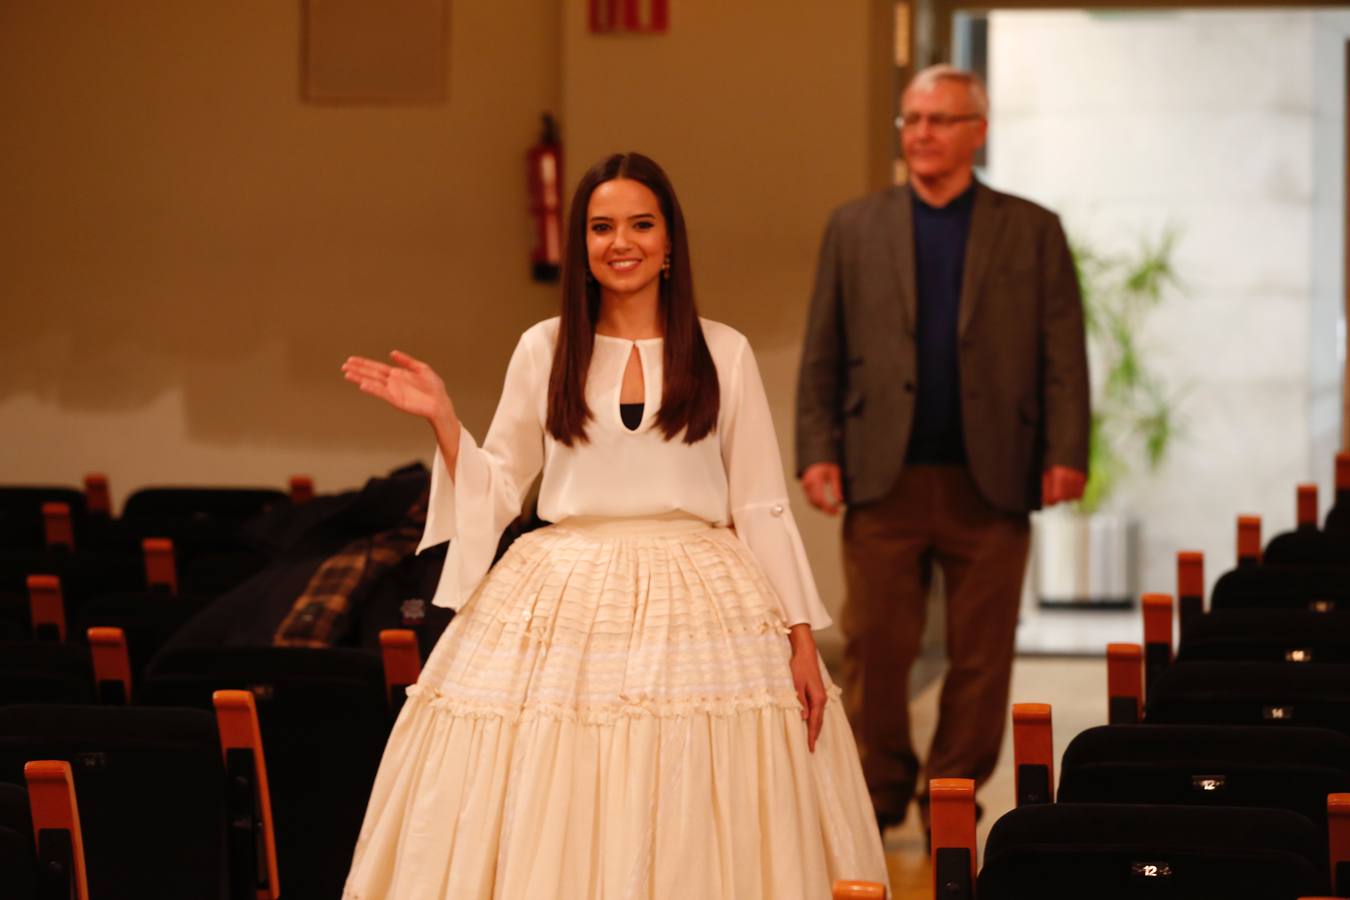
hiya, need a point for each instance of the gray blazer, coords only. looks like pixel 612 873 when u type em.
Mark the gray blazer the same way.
pixel 1021 347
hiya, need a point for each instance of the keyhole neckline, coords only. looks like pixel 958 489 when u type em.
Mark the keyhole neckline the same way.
pixel 638 341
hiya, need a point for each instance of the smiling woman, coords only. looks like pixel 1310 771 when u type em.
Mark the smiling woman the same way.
pixel 631 277
pixel 631 702
pixel 626 236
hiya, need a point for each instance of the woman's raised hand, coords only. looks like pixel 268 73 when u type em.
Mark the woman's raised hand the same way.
pixel 409 385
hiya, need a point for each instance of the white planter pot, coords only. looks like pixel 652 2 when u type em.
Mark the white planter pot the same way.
pixel 1085 561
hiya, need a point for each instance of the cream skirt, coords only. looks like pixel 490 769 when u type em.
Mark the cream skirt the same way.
pixel 611 717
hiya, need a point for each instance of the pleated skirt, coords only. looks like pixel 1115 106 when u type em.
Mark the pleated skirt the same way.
pixel 611 717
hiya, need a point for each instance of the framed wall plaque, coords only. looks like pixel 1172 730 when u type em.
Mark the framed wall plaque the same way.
pixel 359 51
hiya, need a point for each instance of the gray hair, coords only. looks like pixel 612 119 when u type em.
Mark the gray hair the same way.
pixel 928 78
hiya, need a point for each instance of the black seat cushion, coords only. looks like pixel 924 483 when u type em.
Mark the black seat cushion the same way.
pixel 40 672
pixel 1256 693
pixel 1208 765
pixel 1281 587
pixel 199 503
pixel 1111 852
pixel 21 520
pixel 1307 546
pixel 150 786
pixel 84 574
pixel 1268 635
pixel 324 721
pixel 18 865
pixel 14 810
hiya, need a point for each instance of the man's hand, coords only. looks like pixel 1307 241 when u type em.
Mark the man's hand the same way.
pixel 1060 484
pixel 824 486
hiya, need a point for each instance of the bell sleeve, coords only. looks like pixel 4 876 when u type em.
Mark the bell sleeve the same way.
pixel 473 508
pixel 757 494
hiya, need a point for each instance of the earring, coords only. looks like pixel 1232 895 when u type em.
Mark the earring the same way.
pixel 665 268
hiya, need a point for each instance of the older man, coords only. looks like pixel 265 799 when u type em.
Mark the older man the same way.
pixel 943 395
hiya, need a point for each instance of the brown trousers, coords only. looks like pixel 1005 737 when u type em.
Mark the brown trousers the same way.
pixel 933 515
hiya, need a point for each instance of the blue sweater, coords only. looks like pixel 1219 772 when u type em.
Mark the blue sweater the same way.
pixel 940 254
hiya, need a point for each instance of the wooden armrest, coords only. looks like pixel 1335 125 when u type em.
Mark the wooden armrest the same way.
pixel 160 569
pixel 1338 839
pixel 1157 637
pixel 112 665
pixel 402 663
pixel 302 489
pixel 97 497
pixel 1306 507
pixel 1033 753
pixel 1248 540
pixel 859 890
pixel 56 826
pixel 252 840
pixel 46 609
pixel 1190 589
pixel 57 526
pixel 951 807
pixel 1124 683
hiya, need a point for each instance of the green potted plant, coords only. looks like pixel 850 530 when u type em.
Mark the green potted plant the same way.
pixel 1086 551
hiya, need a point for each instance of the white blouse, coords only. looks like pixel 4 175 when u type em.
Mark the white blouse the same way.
pixel 732 477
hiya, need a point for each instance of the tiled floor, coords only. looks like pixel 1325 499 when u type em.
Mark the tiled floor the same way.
pixel 1076 690
pixel 1075 632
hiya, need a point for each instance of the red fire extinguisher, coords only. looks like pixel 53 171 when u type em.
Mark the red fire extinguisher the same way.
pixel 545 165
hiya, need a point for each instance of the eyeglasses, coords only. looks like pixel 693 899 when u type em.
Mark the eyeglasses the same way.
pixel 937 120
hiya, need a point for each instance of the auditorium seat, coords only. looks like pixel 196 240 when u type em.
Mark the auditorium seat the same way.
pixel 1268 635
pixel 83 574
pixel 1257 583
pixel 18 854
pixel 21 521
pixel 198 519
pixel 149 617
pixel 1307 547
pixel 196 504
pixel 401 661
pixel 1070 851
pixel 1292 768
pixel 1307 544
pixel 1337 521
pixel 1320 589
pixel 156 806
pixel 1124 683
pixel 57 829
pixel 205 524
pixel 1197 765
pixel 324 718
pixel 151 789
pixel 1119 851
pixel 1253 693
pixel 40 672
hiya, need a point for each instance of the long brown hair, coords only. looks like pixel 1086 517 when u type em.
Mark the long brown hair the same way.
pixel 689 395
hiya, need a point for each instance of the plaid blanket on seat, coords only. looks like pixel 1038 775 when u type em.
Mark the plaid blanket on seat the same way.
pixel 319 616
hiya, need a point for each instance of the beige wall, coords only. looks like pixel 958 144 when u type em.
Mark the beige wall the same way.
pixel 188 251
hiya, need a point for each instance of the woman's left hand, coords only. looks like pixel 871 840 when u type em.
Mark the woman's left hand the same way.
pixel 807 681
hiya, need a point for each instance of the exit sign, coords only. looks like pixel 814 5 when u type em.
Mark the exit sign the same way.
pixel 630 16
